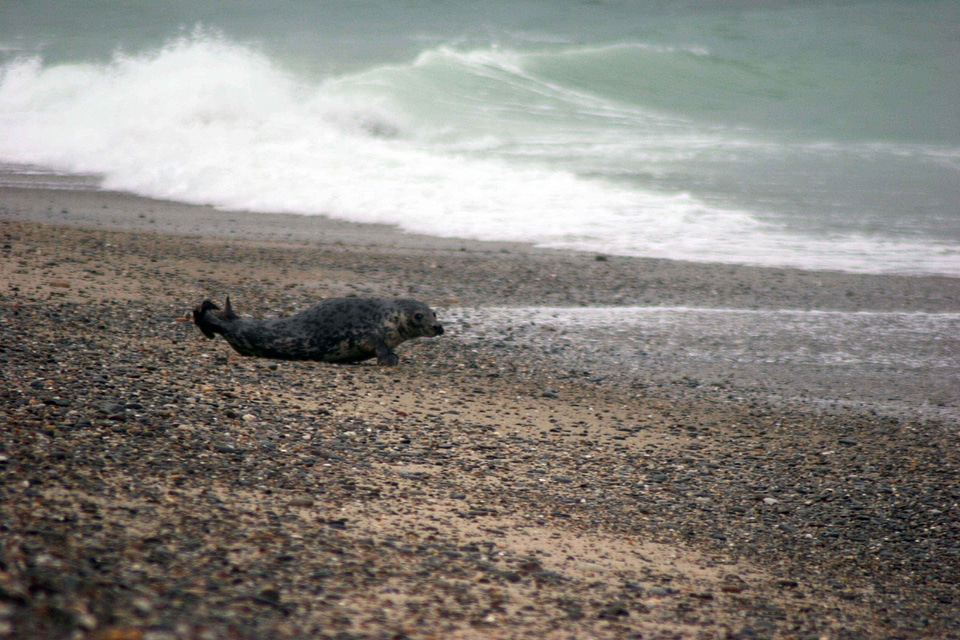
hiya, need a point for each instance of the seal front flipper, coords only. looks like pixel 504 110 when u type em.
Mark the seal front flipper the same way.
pixel 385 356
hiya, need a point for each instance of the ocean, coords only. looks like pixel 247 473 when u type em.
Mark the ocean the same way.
pixel 807 133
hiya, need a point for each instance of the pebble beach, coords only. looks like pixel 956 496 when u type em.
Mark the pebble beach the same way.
pixel 546 468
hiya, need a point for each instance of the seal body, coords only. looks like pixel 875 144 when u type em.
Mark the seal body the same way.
pixel 334 330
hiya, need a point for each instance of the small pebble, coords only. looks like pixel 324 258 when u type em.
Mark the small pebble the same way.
pixel 589 567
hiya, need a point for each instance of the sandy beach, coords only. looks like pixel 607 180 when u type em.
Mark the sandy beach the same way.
pixel 598 447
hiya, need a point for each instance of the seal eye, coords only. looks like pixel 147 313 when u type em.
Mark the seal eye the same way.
pixel 418 316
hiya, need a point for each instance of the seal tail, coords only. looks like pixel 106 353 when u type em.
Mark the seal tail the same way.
pixel 210 322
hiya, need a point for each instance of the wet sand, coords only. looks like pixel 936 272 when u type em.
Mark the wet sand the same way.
pixel 518 476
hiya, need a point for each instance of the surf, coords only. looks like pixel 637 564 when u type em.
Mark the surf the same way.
pixel 571 145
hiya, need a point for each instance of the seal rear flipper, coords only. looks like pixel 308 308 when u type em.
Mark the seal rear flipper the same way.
pixel 228 313
pixel 202 319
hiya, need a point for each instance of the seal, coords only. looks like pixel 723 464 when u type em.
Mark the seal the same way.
pixel 340 330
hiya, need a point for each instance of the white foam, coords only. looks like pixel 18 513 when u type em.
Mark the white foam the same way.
pixel 210 122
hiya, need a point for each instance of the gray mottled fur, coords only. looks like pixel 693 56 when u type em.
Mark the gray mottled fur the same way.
pixel 334 330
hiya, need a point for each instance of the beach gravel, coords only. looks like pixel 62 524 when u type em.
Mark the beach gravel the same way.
pixel 155 485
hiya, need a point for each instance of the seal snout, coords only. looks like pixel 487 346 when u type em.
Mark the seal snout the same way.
pixel 422 320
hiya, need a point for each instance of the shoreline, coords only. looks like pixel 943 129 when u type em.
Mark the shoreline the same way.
pixel 768 343
pixel 695 284
pixel 504 481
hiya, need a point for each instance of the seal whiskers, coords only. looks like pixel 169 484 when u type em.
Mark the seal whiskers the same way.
pixel 334 330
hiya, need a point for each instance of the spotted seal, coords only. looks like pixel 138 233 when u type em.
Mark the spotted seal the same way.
pixel 335 330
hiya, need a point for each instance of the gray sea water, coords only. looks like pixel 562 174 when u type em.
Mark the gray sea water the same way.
pixel 816 134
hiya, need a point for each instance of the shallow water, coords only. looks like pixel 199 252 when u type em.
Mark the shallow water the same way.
pixel 903 364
